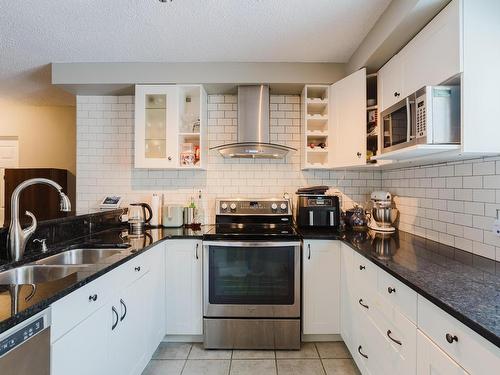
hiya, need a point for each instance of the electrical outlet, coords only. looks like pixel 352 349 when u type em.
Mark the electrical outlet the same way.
pixel 496 227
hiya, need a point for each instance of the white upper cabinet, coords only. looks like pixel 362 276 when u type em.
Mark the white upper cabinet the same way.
pixel 433 56
pixel 170 126
pixel 348 119
pixel 459 45
pixel 321 287
pixel 390 83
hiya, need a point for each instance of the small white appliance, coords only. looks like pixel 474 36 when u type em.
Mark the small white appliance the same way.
pixel 383 213
pixel 172 215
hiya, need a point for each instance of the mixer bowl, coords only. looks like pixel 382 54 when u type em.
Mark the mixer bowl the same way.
pixel 384 216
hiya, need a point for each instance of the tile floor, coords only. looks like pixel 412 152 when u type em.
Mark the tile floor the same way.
pixel 321 358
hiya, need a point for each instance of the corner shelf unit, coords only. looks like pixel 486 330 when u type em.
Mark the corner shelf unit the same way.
pixel 372 119
pixel 316 127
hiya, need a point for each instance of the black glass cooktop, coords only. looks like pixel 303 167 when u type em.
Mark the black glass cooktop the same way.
pixel 240 231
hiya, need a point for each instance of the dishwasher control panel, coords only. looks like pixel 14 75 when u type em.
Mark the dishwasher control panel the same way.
pixel 20 336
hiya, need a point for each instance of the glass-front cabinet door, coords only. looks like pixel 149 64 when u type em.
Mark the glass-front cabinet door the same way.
pixel 156 118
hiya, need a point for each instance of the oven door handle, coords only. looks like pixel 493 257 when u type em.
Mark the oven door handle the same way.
pixel 251 243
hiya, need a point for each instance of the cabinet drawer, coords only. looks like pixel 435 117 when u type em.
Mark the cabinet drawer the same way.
pixel 399 339
pixel 397 295
pixel 75 307
pixel 134 269
pixel 365 275
pixel 471 351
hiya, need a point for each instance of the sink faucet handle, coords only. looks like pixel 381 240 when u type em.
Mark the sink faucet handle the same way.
pixel 42 241
pixel 29 230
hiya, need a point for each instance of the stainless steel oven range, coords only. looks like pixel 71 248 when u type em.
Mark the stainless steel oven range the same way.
pixel 251 276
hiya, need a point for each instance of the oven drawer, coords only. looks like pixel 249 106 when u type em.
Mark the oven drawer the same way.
pixel 252 334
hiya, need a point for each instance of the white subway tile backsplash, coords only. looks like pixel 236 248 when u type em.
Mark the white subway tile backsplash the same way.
pixel 452 203
pixel 464 207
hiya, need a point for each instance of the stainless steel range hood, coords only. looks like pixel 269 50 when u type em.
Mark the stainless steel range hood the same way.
pixel 253 127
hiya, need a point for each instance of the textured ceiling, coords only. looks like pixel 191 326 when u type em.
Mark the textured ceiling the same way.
pixel 35 33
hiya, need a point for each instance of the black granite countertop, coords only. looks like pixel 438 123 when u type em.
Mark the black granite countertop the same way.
pixel 18 303
pixel 465 285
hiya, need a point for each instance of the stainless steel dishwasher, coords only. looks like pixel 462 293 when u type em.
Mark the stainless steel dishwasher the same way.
pixel 25 348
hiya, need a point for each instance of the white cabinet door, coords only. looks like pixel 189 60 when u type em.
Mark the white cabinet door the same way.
pixel 84 349
pixel 389 83
pixel 155 298
pixel 346 296
pixel 431 360
pixel 348 119
pixel 321 287
pixel 127 349
pixel 183 277
pixel 156 126
pixel 433 56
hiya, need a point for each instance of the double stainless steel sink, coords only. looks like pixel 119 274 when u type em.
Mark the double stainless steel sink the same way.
pixel 57 266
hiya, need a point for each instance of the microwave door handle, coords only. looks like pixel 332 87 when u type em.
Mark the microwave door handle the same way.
pixel 331 219
pixel 311 218
pixel 409 121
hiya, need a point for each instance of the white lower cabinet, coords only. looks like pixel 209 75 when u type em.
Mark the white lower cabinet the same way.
pixel 128 334
pixel 117 337
pixel 433 361
pixel 321 287
pixel 390 329
pixel 84 349
pixel 183 281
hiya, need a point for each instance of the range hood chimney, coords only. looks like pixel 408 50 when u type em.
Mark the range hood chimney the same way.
pixel 253 127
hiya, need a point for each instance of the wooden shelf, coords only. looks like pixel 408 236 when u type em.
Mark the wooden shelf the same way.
pixel 317 150
pixel 317 134
pixel 189 134
pixel 372 107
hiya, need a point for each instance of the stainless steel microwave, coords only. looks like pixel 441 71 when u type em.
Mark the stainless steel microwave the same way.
pixel 429 116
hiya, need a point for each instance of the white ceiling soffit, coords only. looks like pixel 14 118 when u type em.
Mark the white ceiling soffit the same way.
pixel 36 33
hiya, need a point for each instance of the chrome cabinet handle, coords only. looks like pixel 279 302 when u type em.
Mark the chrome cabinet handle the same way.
pixel 393 339
pixel 138 269
pixel 125 312
pixel 309 251
pixel 196 250
pixel 363 304
pixel 115 313
pixel 360 352
pixel 450 338
pixel 391 290
pixel 93 297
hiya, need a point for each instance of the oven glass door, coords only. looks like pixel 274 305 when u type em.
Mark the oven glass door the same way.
pixel 251 275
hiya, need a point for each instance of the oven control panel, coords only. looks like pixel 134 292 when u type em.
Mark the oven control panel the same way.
pixel 253 207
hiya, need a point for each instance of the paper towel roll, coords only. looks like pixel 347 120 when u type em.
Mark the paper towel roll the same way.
pixel 155 207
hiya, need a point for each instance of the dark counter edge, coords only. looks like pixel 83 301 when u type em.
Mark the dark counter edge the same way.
pixel 42 305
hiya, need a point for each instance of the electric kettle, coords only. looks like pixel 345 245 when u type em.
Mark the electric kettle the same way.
pixel 137 217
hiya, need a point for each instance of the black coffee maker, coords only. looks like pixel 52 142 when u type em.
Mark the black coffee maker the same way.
pixel 318 211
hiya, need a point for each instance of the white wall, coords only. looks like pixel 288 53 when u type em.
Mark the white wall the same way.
pixel 105 158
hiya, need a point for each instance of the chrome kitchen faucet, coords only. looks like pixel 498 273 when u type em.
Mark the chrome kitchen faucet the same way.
pixel 18 237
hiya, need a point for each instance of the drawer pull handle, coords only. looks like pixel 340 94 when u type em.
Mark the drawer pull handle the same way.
pixel 391 290
pixel 361 268
pixel 137 268
pixel 309 251
pixel 450 338
pixel 396 341
pixel 196 251
pixel 93 297
pixel 360 352
pixel 362 304
pixel 115 313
